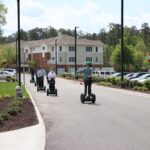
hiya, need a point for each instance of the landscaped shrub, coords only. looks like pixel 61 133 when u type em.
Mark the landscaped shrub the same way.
pixel 3 117
pixel 144 88
pixel 111 80
pixel 147 84
pixel 98 79
pixel 14 110
pixel 105 83
pixel 78 76
pixel 136 88
pixel 8 79
pixel 135 83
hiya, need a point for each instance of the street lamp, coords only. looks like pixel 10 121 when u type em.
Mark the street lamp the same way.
pixel 18 12
pixel 56 56
pixel 122 34
pixel 75 36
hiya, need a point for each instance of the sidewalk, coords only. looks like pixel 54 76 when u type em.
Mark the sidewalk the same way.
pixel 29 138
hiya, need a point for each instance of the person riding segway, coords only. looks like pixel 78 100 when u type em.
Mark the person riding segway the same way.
pixel 87 77
pixel 51 81
pixel 32 75
pixel 40 78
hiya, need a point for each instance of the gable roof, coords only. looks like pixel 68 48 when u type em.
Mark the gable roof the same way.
pixel 64 40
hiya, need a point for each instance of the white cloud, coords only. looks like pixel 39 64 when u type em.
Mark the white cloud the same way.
pixel 90 17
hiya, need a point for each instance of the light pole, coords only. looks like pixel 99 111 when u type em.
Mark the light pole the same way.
pixel 75 36
pixel 56 56
pixel 122 46
pixel 19 69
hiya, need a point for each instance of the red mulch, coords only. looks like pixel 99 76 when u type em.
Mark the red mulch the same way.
pixel 26 118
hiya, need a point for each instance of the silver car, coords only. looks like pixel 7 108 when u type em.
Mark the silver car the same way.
pixel 6 75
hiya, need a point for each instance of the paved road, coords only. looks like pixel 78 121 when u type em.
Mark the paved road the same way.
pixel 120 120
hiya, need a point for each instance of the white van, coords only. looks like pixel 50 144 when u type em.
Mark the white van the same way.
pixel 104 73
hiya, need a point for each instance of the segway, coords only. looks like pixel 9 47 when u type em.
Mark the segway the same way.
pixel 40 85
pixel 52 89
pixel 32 79
pixel 91 98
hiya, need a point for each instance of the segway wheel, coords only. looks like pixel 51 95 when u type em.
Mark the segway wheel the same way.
pixel 93 98
pixel 44 89
pixel 35 84
pixel 82 98
pixel 47 92
pixel 37 89
pixel 56 92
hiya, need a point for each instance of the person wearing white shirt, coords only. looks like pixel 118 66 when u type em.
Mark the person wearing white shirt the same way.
pixel 51 80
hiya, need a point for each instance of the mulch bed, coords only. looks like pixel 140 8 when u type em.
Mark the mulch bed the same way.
pixel 26 118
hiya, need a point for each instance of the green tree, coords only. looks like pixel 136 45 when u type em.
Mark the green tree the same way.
pixel 107 56
pixel 31 63
pixel 3 12
pixel 7 56
pixel 139 60
pixel 145 31
pixel 129 57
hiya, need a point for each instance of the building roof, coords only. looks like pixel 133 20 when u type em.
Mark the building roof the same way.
pixel 63 40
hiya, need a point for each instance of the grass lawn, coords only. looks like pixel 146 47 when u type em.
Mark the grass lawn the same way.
pixel 7 89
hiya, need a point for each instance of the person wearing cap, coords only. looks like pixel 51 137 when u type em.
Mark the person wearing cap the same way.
pixel 51 80
pixel 87 77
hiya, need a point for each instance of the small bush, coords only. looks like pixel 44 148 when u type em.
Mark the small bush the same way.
pixel 111 80
pixel 1 119
pixel 4 116
pixel 144 89
pixel 132 84
pixel 147 84
pixel 98 79
pixel 78 76
pixel 105 83
pixel 13 110
pixel 136 88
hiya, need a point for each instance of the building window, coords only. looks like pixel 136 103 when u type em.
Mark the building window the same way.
pixel 53 58
pixel 89 49
pixel 60 59
pixel 71 48
pixel 26 50
pixel 43 48
pixel 60 48
pixel 53 49
pixel 96 59
pixel 96 49
pixel 71 59
pixel 89 59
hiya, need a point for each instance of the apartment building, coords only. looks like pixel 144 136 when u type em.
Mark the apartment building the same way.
pixel 60 50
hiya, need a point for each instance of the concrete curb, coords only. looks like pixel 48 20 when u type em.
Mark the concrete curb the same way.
pixel 29 138
pixel 39 143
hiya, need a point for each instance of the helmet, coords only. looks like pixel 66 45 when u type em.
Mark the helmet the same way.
pixel 88 63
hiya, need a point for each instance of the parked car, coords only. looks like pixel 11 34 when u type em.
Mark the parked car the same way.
pixel 127 76
pixel 143 80
pixel 137 75
pixel 6 75
pixel 144 76
pixel 13 71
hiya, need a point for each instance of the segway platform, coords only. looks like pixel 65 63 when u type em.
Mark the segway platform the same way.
pixel 41 88
pixel 91 98
pixel 51 92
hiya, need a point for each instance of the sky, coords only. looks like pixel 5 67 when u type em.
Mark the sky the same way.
pixel 89 15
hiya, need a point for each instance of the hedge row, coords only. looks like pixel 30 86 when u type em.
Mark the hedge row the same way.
pixel 113 81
